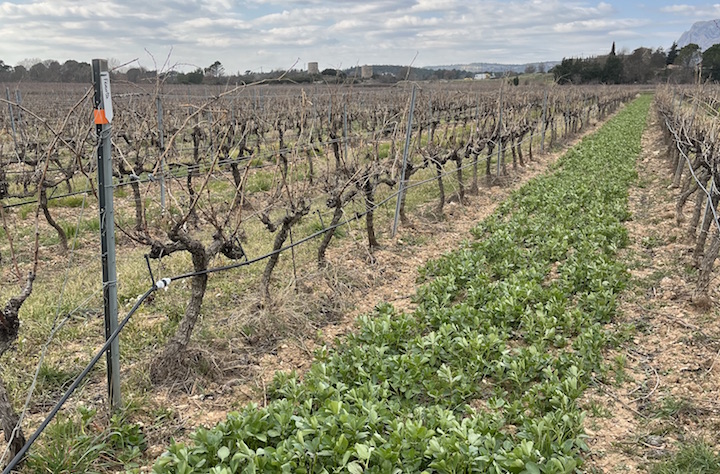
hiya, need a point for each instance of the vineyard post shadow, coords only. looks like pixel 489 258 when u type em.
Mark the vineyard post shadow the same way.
pixel 103 117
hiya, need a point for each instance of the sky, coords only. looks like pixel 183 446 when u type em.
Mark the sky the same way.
pixel 263 35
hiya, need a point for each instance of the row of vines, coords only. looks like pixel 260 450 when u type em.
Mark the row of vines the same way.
pixel 241 175
pixel 689 117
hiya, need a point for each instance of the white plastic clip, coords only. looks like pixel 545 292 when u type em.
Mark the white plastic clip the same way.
pixel 164 283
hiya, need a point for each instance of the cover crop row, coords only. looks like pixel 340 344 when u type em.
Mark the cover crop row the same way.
pixel 485 375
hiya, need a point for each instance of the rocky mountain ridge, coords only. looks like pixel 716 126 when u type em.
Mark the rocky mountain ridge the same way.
pixel 702 33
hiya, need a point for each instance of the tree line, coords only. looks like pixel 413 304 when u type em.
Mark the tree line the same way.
pixel 642 66
pixel 46 71
pixel 51 70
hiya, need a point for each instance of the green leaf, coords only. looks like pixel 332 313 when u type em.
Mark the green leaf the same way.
pixel 223 453
pixel 363 451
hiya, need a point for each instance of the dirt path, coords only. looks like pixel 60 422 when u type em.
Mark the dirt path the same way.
pixel 665 387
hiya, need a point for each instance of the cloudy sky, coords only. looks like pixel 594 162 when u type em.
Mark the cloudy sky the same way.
pixel 279 34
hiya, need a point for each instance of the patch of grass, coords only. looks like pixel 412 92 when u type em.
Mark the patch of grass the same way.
pixel 260 181
pixel 690 271
pixel 89 225
pixel 651 281
pixel 315 226
pixel 694 458
pixel 619 368
pixel 53 378
pixel 597 410
pixel 68 201
pixel 384 150
pixel 673 411
pixel 80 444
pixel 652 241
pixel 412 240
pixel 257 162
pixel 25 210
pixel 671 407
pixel 643 183
pixel 219 187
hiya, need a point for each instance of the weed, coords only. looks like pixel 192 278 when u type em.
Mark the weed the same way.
pixel 27 209
pixel 82 445
pixel 260 181
pixel 53 379
pixel 652 241
pixel 692 458
pixel 597 410
pixel 671 407
pixel 619 367
pixel 89 225
pixel 68 201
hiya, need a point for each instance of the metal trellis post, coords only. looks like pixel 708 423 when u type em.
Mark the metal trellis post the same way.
pixel 345 131
pixel 544 123
pixel 12 120
pixel 401 186
pixel 500 130
pixel 161 136
pixel 103 118
pixel 21 126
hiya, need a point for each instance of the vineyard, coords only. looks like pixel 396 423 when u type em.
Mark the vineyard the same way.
pixel 260 209
pixel 690 119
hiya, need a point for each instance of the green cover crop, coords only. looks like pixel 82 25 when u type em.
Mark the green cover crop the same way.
pixel 485 375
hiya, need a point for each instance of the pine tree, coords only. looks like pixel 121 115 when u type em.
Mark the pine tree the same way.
pixel 613 69
pixel 672 54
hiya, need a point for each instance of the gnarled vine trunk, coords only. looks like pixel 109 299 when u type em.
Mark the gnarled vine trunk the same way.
pixel 9 327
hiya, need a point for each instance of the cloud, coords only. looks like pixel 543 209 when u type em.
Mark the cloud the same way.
pixel 705 12
pixel 435 6
pixel 249 34
pixel 60 9
pixel 597 25
pixel 407 21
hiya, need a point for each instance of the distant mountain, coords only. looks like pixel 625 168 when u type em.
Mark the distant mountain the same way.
pixel 702 33
pixel 501 68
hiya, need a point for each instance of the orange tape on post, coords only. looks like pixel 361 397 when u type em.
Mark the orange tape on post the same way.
pixel 100 118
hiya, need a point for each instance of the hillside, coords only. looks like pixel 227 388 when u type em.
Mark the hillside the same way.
pixel 702 33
